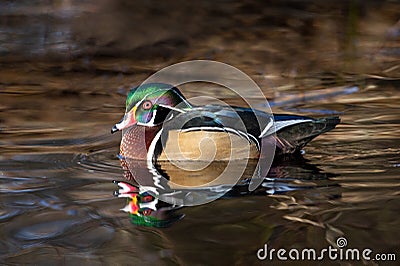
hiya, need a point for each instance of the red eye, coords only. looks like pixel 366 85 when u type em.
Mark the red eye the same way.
pixel 147 198
pixel 147 212
pixel 147 105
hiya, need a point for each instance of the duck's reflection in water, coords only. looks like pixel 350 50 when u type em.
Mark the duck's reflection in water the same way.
pixel 144 208
pixel 154 195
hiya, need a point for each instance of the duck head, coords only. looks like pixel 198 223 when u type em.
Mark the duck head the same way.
pixel 144 208
pixel 150 104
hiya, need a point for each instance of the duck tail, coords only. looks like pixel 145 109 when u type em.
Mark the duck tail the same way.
pixel 293 138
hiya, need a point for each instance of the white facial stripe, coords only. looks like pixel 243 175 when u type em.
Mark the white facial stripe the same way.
pixel 151 122
pixel 153 117
pixel 124 188
pixel 125 121
pixel 140 102
pixel 172 108
pixel 180 96
pixel 143 99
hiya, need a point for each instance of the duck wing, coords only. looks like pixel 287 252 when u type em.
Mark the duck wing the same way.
pixel 294 132
pixel 244 122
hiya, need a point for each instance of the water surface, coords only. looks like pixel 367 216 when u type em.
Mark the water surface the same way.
pixel 58 158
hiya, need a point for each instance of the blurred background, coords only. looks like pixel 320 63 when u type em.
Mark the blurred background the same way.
pixel 260 37
pixel 65 69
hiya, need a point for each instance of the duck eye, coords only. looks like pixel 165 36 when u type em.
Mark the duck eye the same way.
pixel 147 105
pixel 147 198
pixel 147 212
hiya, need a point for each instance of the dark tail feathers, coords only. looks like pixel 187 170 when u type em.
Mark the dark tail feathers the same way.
pixel 293 138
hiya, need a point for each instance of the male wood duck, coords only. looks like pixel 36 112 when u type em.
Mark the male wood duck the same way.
pixel 161 124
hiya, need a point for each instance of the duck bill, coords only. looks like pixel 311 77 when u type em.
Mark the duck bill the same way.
pixel 127 121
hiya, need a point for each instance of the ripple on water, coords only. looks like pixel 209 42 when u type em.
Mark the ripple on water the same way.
pixel 44 230
pixel 105 162
pixel 55 149
pixel 39 161
pixel 71 227
pixel 92 235
pixel 16 204
pixel 26 200
pixel 6 214
pixel 43 225
pixel 25 185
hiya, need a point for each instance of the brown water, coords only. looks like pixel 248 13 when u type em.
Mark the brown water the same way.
pixel 64 72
